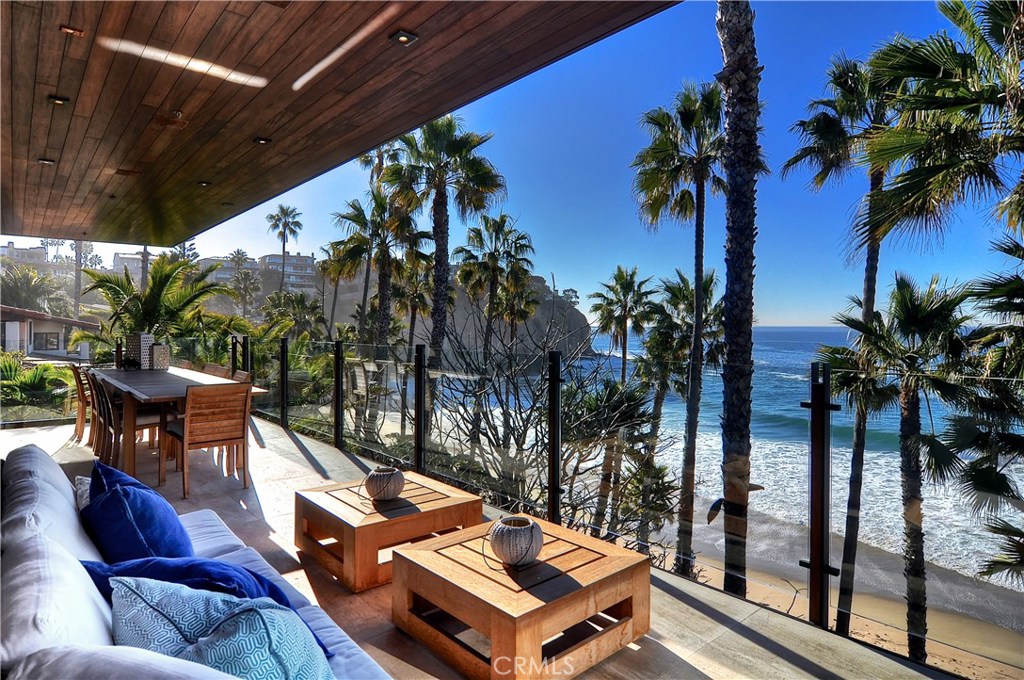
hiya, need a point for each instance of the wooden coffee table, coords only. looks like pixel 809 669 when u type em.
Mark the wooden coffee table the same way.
pixel 352 535
pixel 583 600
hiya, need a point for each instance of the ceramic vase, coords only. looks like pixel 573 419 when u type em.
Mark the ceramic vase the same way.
pixel 384 483
pixel 516 540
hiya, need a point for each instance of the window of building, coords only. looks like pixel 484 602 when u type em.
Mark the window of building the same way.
pixel 46 341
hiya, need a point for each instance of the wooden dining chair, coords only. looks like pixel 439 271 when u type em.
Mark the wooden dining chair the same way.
pixel 241 376
pixel 214 416
pixel 183 363
pixel 108 422
pixel 219 371
pixel 85 406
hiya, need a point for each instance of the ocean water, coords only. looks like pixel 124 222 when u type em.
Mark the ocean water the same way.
pixel 954 538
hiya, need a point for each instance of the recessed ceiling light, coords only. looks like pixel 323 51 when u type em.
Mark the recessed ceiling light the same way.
pixel 261 140
pixel 204 183
pixel 77 32
pixel 46 161
pixel 403 38
pixel 59 100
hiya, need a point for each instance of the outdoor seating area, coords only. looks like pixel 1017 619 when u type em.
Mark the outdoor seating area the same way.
pixel 695 631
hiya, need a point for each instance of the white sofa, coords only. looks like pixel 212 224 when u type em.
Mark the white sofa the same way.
pixel 54 622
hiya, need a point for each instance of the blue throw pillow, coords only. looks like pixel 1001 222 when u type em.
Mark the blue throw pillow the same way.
pixel 196 573
pixel 105 478
pixel 128 523
pixel 246 638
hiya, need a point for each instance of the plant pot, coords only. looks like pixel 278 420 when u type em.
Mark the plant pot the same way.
pixel 384 483
pixel 516 541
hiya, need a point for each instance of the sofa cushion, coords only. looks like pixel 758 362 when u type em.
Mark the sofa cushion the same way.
pixel 127 523
pixel 348 660
pixel 195 572
pixel 32 506
pixel 32 461
pixel 47 599
pixel 246 638
pixel 209 535
pixel 82 491
pixel 109 663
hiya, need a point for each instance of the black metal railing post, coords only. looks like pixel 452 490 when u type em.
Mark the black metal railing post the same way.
pixel 246 355
pixel 283 385
pixel 419 424
pixel 555 437
pixel 339 393
pixel 820 464
pixel 234 354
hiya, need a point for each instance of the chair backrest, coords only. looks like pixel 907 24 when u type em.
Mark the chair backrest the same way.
pixel 241 376
pixel 81 384
pixel 101 399
pixel 219 371
pixel 216 414
pixel 183 363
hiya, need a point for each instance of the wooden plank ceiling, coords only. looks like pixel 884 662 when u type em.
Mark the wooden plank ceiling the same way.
pixel 163 101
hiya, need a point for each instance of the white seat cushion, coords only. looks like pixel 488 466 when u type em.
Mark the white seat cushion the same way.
pixel 210 536
pixel 349 660
pixel 32 507
pixel 48 599
pixel 109 663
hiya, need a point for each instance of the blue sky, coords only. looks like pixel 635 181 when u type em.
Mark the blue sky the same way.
pixel 564 139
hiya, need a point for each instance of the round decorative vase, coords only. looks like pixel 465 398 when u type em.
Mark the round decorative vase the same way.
pixel 516 540
pixel 384 483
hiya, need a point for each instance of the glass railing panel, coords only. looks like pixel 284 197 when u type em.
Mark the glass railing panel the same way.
pixel 378 403
pixel 35 391
pixel 311 388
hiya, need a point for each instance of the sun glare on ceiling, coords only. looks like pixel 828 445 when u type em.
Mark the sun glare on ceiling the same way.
pixel 351 43
pixel 183 62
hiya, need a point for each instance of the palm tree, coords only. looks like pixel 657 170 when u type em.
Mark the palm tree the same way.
pixel 859 106
pixel 623 308
pixel 175 290
pixel 740 79
pixel 492 252
pixel 285 223
pixel 333 269
pixel 355 252
pixel 668 350
pixel 144 272
pixel 412 296
pixel 375 161
pixel 917 343
pixel 686 150
pixel 25 288
pixel 1001 296
pixel 961 132
pixel 444 157
pixel 247 284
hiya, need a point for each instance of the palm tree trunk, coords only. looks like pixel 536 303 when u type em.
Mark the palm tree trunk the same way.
pixel 481 383
pixel 383 325
pixel 334 304
pixel 684 526
pixel 739 79
pixel 625 339
pixel 913 521
pixel 78 278
pixel 284 255
pixel 413 313
pixel 144 277
pixel 860 426
pixel 442 274
pixel 643 533
pixel 604 491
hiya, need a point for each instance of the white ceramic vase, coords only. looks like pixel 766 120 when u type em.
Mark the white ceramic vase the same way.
pixel 516 540
pixel 384 483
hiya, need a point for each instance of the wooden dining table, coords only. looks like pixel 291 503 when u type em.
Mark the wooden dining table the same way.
pixel 152 387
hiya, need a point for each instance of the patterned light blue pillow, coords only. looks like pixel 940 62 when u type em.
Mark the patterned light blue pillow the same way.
pixel 255 638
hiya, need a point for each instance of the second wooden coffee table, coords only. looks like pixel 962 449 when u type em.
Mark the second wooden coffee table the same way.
pixel 351 535
pixel 581 601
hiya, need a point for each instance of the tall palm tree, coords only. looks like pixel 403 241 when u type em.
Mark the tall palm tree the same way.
pixel 247 284
pixel 412 297
pixel 740 79
pixel 334 270
pixel 375 161
pixel 355 252
pixel 440 158
pixel 622 309
pixel 961 131
pixel 685 151
pixel 285 224
pixel 858 107
pixel 397 237
pixel 919 338
pixel 665 366
pixel 493 251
